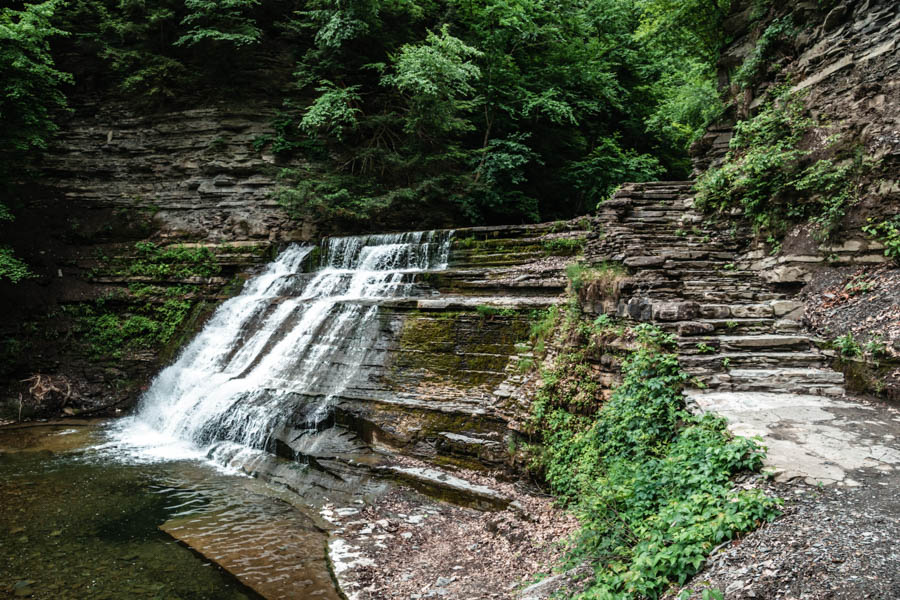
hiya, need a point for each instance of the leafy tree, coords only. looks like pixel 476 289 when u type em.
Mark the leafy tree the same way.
pixel 686 26
pixel 31 85
pixel 133 42
pixel 493 109
pixel 606 166
pixel 436 80
pixel 219 22
pixel 335 111
pixel 30 97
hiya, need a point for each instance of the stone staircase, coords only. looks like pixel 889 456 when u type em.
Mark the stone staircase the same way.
pixel 735 332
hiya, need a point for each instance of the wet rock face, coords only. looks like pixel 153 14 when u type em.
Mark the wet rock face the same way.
pixel 113 179
pixel 197 171
pixel 846 61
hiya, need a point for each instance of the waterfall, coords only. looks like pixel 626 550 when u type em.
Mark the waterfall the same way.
pixel 282 350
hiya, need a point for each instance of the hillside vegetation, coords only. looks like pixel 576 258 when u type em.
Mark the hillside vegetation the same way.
pixel 488 111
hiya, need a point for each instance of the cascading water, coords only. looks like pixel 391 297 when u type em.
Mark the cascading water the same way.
pixel 284 348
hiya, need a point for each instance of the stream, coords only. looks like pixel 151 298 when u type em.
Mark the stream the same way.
pixel 77 522
pixel 159 504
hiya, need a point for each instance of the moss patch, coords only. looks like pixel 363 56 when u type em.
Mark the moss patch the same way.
pixel 459 348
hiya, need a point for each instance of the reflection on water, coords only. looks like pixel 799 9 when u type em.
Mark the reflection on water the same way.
pixel 76 524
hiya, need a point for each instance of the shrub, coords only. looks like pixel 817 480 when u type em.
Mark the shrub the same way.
pixel 888 233
pixel 847 345
pixel 603 277
pixel 177 261
pixel 752 68
pixel 485 310
pixel 876 348
pixel 772 179
pixel 650 482
pixel 563 246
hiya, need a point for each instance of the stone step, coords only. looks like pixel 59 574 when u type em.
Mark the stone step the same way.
pixel 448 487
pixel 794 387
pixel 653 220
pixel 786 375
pixel 728 326
pixel 495 260
pixel 737 343
pixel 733 297
pixel 670 291
pixel 656 212
pixel 705 363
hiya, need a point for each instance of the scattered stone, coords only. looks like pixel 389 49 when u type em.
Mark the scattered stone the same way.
pixel 23 589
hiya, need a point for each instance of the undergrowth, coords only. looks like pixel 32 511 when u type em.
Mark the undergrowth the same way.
pixel 650 482
pixel 563 246
pixel 149 318
pixel 753 67
pixel 488 311
pixel 775 181
pixel 602 276
pixel 177 261
pixel 888 233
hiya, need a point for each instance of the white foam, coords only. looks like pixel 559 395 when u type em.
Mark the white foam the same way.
pixel 279 347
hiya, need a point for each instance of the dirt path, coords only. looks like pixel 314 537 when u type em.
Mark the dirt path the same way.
pixel 839 462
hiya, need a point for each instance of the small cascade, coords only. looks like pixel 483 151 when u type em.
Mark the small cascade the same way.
pixel 279 353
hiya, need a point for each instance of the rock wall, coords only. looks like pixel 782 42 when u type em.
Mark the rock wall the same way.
pixel 114 179
pixel 197 171
pixel 844 61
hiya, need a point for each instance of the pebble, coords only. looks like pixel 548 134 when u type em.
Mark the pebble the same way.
pixel 23 589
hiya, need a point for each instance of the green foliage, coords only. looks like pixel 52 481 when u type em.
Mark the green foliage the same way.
pixel 342 197
pixel 435 78
pixel 848 346
pixel 650 482
pixel 30 85
pixel 563 246
pixel 131 43
pixel 603 275
pixel 608 165
pixel 888 233
pixel 501 168
pixel 685 25
pixel 876 347
pixel 542 324
pixel 487 111
pixel 684 38
pixel 688 102
pixel 12 268
pixel 752 68
pixel 333 112
pixel 496 110
pixel 177 262
pixel 108 330
pixel 152 261
pixel 219 22
pixel 31 98
pixel 774 181
pixel 704 348
pixel 858 285
pixel 485 311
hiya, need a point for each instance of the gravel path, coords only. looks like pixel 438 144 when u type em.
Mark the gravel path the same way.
pixel 831 543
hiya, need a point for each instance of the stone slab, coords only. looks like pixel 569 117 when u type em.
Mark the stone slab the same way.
pixel 815 438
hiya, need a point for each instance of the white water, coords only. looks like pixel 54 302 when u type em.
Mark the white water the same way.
pixel 281 351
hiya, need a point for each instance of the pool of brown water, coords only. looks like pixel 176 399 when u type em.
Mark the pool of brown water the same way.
pixel 75 523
